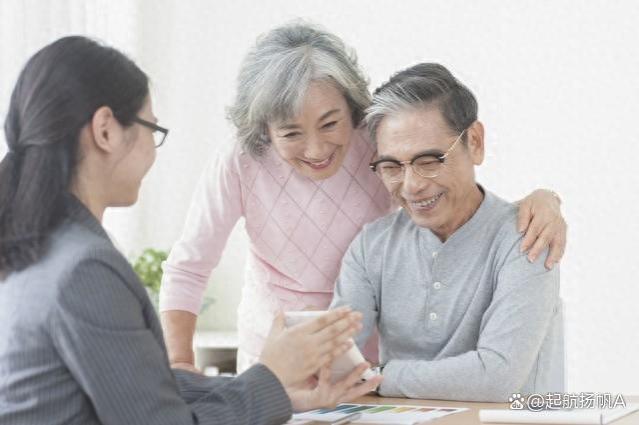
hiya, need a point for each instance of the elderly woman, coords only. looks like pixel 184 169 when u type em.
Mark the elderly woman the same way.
pixel 299 177
pixel 80 342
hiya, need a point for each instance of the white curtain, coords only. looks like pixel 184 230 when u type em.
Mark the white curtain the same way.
pixel 185 49
pixel 27 26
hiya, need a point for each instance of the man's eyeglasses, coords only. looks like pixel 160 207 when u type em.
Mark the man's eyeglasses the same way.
pixel 426 165
pixel 159 133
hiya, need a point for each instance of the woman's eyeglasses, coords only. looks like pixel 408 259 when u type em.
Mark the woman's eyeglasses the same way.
pixel 159 133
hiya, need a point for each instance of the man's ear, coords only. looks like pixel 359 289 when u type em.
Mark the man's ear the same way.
pixel 105 129
pixel 475 138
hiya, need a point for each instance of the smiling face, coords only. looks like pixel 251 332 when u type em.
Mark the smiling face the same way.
pixel 443 203
pixel 315 142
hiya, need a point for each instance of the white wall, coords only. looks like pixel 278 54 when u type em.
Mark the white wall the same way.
pixel 558 89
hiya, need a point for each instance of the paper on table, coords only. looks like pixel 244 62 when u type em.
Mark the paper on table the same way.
pixel 377 414
pixel 576 416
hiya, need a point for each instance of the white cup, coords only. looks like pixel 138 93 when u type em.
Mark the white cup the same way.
pixel 344 364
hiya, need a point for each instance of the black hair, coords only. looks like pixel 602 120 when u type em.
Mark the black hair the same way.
pixel 56 95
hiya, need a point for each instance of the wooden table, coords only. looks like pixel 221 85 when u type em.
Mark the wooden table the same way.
pixel 471 416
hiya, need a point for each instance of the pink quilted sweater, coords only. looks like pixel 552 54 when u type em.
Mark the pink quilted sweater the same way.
pixel 299 229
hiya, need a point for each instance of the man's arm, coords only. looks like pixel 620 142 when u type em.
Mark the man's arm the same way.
pixel 512 331
pixel 353 288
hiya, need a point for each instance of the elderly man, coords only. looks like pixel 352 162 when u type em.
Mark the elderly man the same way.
pixel 462 314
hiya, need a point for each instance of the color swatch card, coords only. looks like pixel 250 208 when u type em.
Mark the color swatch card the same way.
pixel 377 414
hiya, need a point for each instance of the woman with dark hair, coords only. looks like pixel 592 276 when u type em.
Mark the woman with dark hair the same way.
pixel 80 342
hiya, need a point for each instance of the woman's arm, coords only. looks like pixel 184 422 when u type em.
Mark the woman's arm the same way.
pixel 106 340
pixel 214 211
pixel 541 220
pixel 179 327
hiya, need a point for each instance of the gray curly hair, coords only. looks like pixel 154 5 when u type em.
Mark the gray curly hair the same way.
pixel 278 70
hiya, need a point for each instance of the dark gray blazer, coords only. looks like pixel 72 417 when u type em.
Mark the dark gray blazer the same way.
pixel 80 343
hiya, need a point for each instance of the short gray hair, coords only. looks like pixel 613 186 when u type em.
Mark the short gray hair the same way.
pixel 423 85
pixel 277 71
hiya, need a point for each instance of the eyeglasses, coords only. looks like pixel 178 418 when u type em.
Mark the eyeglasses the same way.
pixel 426 165
pixel 159 133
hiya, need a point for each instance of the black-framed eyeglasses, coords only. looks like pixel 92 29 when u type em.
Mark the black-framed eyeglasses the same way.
pixel 426 165
pixel 159 133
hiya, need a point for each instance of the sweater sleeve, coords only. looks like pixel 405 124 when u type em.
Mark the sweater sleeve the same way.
pixel 513 328
pixel 214 211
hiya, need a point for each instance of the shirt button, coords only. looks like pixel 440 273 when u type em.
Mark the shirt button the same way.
pixel 433 316
pixel 435 254
pixel 437 285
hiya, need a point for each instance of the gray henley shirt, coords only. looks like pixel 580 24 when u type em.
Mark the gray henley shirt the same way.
pixel 467 319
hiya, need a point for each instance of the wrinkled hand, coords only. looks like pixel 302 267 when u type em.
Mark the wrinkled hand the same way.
pixel 320 392
pixel 186 366
pixel 541 220
pixel 294 354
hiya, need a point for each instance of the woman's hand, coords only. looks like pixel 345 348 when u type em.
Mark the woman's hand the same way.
pixel 540 218
pixel 294 354
pixel 320 392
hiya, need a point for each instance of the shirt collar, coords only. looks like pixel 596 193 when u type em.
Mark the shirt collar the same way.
pixel 474 223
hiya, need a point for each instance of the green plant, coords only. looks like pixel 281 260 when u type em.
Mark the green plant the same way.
pixel 148 267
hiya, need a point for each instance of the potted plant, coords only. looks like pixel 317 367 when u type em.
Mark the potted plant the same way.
pixel 148 267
